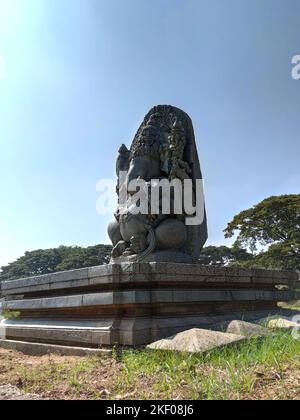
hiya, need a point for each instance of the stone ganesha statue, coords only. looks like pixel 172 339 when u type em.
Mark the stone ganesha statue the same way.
pixel 164 148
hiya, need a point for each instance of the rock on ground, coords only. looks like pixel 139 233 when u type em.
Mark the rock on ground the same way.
pixel 9 392
pixel 282 324
pixel 196 341
pixel 246 329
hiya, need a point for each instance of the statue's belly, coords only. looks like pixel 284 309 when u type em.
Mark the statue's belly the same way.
pixel 131 225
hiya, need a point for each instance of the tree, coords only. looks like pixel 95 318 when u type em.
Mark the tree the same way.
pixel 223 255
pixel 273 224
pixel 45 261
pixel 278 256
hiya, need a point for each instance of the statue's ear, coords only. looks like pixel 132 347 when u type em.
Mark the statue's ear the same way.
pixel 123 159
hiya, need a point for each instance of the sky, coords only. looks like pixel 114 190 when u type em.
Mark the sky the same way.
pixel 77 77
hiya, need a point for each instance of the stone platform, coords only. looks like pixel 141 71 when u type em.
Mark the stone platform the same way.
pixel 134 304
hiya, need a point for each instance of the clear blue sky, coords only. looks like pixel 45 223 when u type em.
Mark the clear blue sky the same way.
pixel 81 74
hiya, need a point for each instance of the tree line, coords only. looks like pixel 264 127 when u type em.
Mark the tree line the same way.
pixel 45 261
pixel 266 236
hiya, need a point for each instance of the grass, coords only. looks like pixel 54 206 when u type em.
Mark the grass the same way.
pixel 261 368
pixel 219 374
pixel 10 314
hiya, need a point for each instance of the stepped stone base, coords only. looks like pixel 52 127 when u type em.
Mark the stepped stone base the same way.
pixel 40 349
pixel 134 304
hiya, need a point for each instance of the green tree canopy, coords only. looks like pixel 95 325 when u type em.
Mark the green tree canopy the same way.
pixel 44 261
pixel 223 255
pixel 273 224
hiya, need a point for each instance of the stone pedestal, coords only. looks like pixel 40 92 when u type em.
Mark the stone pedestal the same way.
pixel 134 304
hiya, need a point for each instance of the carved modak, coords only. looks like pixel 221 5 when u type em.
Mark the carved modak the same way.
pixel 163 148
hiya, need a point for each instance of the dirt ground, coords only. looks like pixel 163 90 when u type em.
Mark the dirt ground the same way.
pixel 55 377
pixel 51 376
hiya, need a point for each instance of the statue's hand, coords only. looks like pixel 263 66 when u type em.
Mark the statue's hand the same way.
pixel 119 249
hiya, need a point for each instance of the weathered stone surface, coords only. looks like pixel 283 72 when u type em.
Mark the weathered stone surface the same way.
pixel 138 303
pixel 126 273
pixel 143 297
pixel 39 349
pixel 196 341
pixel 111 330
pixel 246 329
pixel 164 148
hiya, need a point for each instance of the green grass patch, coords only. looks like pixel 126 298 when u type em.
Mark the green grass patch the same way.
pixel 10 314
pixel 217 374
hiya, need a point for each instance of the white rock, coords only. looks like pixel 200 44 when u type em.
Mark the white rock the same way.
pixel 282 323
pixel 246 329
pixel 196 341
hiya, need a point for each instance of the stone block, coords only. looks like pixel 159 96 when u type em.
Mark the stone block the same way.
pixel 136 303
pixel 196 341
pixel 282 323
pixel 39 349
pixel 246 329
